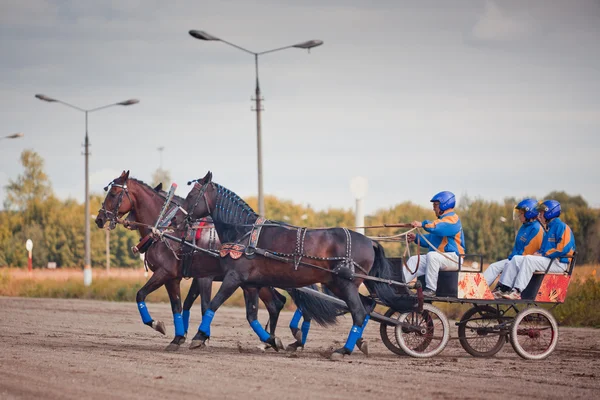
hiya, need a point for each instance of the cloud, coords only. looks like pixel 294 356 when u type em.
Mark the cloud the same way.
pixel 495 25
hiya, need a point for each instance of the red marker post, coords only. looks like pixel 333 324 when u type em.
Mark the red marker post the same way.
pixel 29 247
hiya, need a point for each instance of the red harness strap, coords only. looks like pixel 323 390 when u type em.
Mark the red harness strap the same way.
pixel 199 230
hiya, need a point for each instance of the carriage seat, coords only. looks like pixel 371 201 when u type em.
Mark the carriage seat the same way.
pixel 569 270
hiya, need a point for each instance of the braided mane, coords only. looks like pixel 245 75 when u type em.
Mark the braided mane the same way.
pixel 231 208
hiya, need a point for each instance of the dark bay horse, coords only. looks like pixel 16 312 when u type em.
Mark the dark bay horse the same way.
pixel 143 203
pixel 263 253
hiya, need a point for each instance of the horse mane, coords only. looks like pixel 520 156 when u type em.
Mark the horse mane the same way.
pixel 233 213
pixel 177 199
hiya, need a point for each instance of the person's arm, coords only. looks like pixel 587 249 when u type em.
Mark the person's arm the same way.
pixel 535 243
pixel 563 243
pixel 446 226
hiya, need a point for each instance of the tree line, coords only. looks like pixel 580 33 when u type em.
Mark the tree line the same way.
pixel 56 227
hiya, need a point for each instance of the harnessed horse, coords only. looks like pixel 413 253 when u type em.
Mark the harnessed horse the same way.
pixel 286 256
pixel 143 203
pixel 143 206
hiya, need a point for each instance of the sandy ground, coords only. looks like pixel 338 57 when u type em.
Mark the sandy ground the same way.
pixel 74 349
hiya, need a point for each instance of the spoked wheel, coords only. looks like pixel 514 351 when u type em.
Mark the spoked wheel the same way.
pixel 432 336
pixel 534 333
pixel 479 333
pixel 388 333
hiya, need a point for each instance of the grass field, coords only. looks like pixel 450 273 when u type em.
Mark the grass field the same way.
pixel 580 308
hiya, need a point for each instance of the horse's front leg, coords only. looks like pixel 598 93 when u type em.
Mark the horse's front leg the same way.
pixel 274 303
pixel 174 291
pixel 156 280
pixel 200 287
pixel 251 297
pixel 231 282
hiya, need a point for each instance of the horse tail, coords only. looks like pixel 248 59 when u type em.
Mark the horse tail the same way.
pixel 322 311
pixel 382 268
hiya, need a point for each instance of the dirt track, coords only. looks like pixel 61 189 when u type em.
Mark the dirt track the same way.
pixel 63 349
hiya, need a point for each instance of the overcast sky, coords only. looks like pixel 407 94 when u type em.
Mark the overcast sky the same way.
pixel 484 98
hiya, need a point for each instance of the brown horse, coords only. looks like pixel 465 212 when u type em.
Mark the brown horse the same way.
pixel 260 253
pixel 128 195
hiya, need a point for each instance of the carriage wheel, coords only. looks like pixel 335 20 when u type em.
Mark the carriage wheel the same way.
pixel 430 343
pixel 534 333
pixel 478 331
pixel 388 333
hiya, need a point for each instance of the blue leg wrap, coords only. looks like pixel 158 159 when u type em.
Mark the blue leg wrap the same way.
pixel 355 334
pixel 259 330
pixel 186 320
pixel 305 329
pixel 296 319
pixel 178 322
pixel 146 318
pixel 365 322
pixel 206 321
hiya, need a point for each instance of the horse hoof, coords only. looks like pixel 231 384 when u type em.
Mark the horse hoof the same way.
pixel 336 356
pixel 197 344
pixel 363 346
pixel 298 335
pixel 159 326
pixel 172 347
pixel 278 344
pixel 292 347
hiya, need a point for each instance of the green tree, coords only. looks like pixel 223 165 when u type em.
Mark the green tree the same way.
pixel 33 186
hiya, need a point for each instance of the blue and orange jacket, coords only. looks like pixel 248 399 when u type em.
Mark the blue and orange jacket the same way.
pixel 559 241
pixel 529 239
pixel 445 233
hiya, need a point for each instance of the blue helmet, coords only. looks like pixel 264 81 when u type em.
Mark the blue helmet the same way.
pixel 528 206
pixel 550 208
pixel 446 200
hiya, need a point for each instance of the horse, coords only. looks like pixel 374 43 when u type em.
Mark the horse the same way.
pixel 257 252
pixel 143 206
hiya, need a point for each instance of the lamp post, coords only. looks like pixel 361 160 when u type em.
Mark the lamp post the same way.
pixel 87 271
pixel 257 97
pixel 358 187
pixel 13 136
pixel 107 247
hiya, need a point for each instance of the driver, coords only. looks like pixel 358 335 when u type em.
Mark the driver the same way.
pixel 447 243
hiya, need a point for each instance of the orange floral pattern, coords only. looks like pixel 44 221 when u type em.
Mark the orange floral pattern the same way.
pixel 553 289
pixel 234 250
pixel 472 286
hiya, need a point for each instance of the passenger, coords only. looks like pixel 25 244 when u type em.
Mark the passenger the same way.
pixel 558 244
pixel 528 241
pixel 448 241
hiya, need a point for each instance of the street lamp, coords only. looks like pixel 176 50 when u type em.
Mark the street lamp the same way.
pixel 107 246
pixel 87 271
pixel 13 136
pixel 258 108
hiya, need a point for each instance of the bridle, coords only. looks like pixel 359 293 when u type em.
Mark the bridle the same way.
pixel 112 216
pixel 201 195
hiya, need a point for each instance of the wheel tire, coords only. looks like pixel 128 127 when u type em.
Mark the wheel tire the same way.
pixel 471 331
pixel 418 345
pixel 388 333
pixel 538 331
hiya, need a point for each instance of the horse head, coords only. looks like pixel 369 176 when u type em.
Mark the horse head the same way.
pixel 114 206
pixel 197 202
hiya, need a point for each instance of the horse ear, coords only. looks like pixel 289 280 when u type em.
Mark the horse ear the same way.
pixel 207 178
pixel 158 187
pixel 126 175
